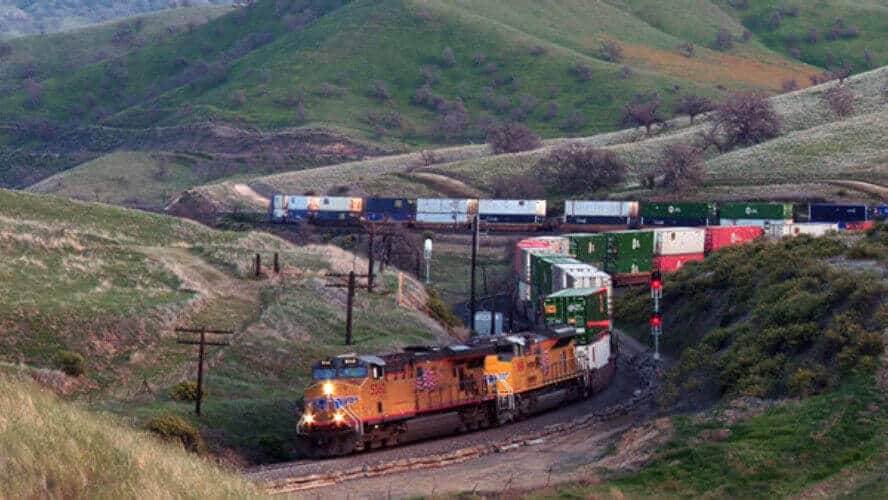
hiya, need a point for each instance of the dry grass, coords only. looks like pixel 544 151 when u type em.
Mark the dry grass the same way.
pixel 51 449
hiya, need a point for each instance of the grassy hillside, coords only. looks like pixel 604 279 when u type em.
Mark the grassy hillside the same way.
pixel 53 449
pixel 815 145
pixel 113 283
pixel 20 17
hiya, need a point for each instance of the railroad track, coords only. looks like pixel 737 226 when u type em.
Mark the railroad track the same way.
pixel 631 390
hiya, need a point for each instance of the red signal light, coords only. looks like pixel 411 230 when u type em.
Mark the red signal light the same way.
pixel 656 320
pixel 656 284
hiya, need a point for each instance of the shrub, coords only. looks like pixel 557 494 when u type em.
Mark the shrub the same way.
pixel 574 168
pixel 440 310
pixel 575 120
pixel 643 111
pixel 478 58
pixel 70 362
pixel 745 119
pixel 186 391
pixel 724 40
pixel 524 186
pixel 582 71
pixel 790 85
pixel 839 99
pixel 175 429
pixel 687 48
pixel 380 90
pixel 511 138
pixel 625 72
pixel 611 51
pixel 693 105
pixel 448 57
pixel 537 50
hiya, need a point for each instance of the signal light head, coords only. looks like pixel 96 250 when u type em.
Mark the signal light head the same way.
pixel 656 284
pixel 656 320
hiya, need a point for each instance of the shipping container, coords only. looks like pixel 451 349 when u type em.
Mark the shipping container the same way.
pixel 336 217
pixel 827 212
pixel 629 252
pixel 394 209
pixel 586 309
pixel 446 205
pixel 278 215
pixel 581 276
pixel 857 226
pixel 587 247
pixel 880 211
pixel 778 231
pixel 336 204
pixel 523 291
pixel 279 201
pixel 750 210
pixel 724 236
pixel 524 249
pixel 616 209
pixel 510 218
pixel 512 207
pixel 590 220
pixel 299 202
pixel 443 218
pixel 678 211
pixel 762 223
pixel 679 241
pixel 672 263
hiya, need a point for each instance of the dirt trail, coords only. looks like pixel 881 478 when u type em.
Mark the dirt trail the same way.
pixel 248 192
pixel 447 185
pixel 865 187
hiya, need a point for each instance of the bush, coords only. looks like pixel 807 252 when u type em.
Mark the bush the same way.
pixel 579 169
pixel 611 51
pixel 174 428
pixel 186 391
pixel 582 71
pixel 70 362
pixel 512 138
pixel 440 310
pixel 745 119
pixel 681 168
pixel 840 99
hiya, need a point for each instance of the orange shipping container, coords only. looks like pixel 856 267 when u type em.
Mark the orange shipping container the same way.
pixel 724 236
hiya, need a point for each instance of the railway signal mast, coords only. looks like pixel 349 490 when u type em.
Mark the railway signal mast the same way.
pixel 656 319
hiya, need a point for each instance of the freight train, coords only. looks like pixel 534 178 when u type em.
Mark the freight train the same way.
pixel 575 215
pixel 360 402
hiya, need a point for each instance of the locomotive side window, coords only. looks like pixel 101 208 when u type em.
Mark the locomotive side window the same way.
pixel 379 406
pixel 376 371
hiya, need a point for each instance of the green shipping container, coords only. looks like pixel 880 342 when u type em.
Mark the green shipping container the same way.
pixel 588 248
pixel 780 211
pixel 541 277
pixel 679 210
pixel 584 308
pixel 629 252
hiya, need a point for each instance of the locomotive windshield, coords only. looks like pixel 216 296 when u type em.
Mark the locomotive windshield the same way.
pixel 329 373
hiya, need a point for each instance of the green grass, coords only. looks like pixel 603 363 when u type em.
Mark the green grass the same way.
pixel 112 284
pixel 53 448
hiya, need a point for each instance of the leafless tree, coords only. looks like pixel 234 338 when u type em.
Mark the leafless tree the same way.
pixel 625 72
pixel 552 110
pixel 611 51
pixel 693 105
pixel 724 40
pixel 745 118
pixel 454 120
pixel 430 74
pixel 478 58
pixel 380 90
pixel 511 138
pixel 868 58
pixel 574 168
pixel 582 71
pixel 448 57
pixel 573 121
pixel 643 111
pixel 34 91
pixel 813 36
pixel 681 168
pixel 840 99
pixel 790 85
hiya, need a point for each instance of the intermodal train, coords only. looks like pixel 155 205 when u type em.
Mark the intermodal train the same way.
pixel 360 402
pixel 574 215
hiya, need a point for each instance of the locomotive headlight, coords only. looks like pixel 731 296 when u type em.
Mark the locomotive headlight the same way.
pixel 338 417
pixel 308 418
pixel 328 388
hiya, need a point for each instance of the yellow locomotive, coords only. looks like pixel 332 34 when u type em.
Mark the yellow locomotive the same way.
pixel 359 402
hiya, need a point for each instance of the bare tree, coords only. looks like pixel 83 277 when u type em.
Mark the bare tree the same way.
pixel 380 90
pixel 868 58
pixel 744 119
pixel 582 71
pixel 625 72
pixel 611 51
pixel 511 138
pixel 448 57
pixel 693 105
pixel 643 111
pixel 34 91
pixel 840 99
pixel 790 85
pixel 454 120
pixel 574 168
pixel 681 168
pixel 724 40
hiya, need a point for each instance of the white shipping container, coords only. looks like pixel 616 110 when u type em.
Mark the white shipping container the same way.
pixel 443 218
pixel 279 201
pixel 601 208
pixel 339 204
pixel 582 276
pixel 278 213
pixel 814 229
pixel 557 244
pixel 298 202
pixel 512 207
pixel 753 222
pixel 446 205
pixel 679 241
pixel 523 291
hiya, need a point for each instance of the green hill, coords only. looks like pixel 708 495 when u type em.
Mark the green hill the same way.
pixel 356 67
pixel 53 449
pixel 112 284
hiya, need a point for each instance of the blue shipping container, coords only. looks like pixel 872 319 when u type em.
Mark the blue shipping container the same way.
pixel 672 221
pixel 592 219
pixel 881 210
pixel 343 217
pixel 396 209
pixel 509 218
pixel 827 212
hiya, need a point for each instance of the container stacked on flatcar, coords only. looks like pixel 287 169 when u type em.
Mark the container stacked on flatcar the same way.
pixel 277 211
pixel 599 215
pixel 678 214
pixel 590 248
pixel 629 256
pixel 335 210
pixel 718 237
pixel 395 210
pixel 754 214
pixel 813 229
pixel 445 212
pixel 512 214
pixel 588 311
pixel 676 246
pixel 524 252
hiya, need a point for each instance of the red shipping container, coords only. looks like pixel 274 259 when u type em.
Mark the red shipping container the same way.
pixel 725 236
pixel 859 226
pixel 529 243
pixel 672 263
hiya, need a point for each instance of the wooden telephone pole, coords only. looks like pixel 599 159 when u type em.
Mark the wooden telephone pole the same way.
pixel 202 342
pixel 351 284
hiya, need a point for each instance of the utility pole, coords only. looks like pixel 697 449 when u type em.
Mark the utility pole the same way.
pixel 350 300
pixel 202 342
pixel 475 230
pixel 370 258
pixel 656 319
